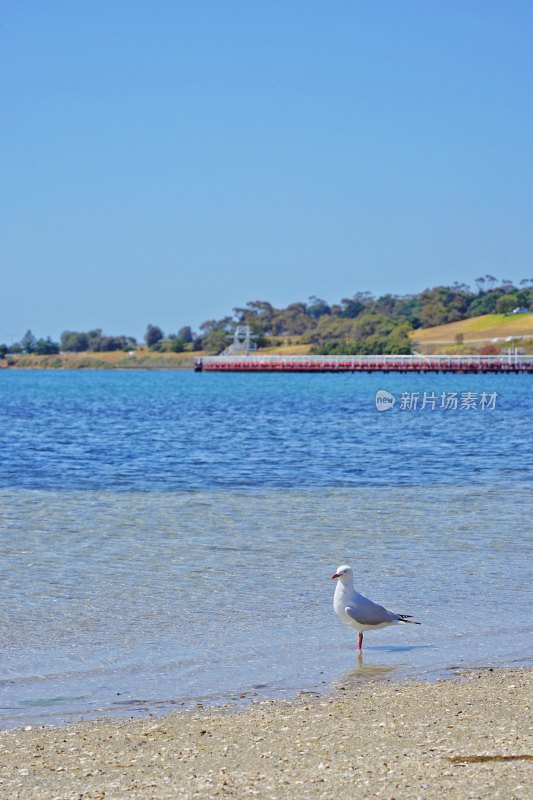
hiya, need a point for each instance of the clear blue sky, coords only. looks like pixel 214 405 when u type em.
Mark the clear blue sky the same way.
pixel 165 161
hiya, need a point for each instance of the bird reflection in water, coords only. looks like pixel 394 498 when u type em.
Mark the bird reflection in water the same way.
pixel 355 676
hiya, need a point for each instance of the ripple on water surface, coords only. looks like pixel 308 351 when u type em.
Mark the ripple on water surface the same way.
pixel 169 537
pixel 122 602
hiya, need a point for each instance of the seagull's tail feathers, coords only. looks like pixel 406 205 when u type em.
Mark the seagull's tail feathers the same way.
pixel 407 619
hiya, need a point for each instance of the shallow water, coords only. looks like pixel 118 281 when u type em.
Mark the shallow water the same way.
pixel 169 538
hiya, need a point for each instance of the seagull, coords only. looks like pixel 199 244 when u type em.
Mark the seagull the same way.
pixel 358 611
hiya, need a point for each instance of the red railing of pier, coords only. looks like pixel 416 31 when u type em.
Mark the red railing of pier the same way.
pixel 413 363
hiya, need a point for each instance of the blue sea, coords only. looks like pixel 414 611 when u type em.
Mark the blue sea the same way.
pixel 168 538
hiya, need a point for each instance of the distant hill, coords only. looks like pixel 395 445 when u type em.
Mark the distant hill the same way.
pixel 452 317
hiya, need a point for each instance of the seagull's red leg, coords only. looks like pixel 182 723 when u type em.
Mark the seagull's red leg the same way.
pixel 361 640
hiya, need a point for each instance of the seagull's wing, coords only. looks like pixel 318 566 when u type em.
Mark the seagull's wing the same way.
pixel 369 613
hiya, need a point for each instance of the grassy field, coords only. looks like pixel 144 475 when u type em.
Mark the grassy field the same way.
pixel 484 328
pixel 142 359
pixel 294 349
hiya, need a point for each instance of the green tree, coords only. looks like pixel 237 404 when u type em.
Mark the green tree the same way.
pixel 28 342
pixel 46 347
pixel 153 335
pixel 186 334
pixel 178 345
pixel 74 342
pixel 209 325
pixel 95 340
pixel 485 303
pixel 215 340
pixel 352 307
pixel 292 320
pixel 443 304
pixel 317 308
pixel 506 303
pixel 398 341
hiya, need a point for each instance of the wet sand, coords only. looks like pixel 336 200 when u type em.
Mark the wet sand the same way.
pixel 466 738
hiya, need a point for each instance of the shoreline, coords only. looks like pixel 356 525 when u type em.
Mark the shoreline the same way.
pixel 466 737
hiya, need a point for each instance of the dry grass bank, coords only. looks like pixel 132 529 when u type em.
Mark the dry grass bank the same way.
pixel 477 329
pixel 141 359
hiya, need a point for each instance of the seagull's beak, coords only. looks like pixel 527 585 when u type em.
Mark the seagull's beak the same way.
pixel 334 576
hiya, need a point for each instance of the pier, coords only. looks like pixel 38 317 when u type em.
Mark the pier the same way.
pixel 412 363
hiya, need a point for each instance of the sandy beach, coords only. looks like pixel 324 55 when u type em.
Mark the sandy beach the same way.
pixel 462 738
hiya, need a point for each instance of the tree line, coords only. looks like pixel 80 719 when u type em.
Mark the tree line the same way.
pixel 361 324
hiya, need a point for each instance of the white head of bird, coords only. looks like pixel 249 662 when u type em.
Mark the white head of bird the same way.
pixel 344 574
